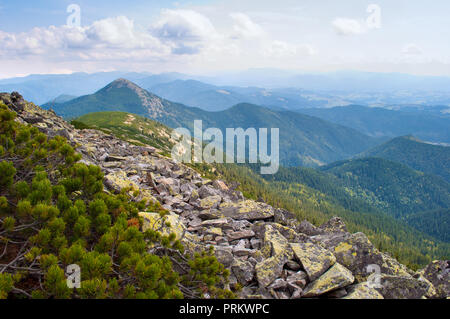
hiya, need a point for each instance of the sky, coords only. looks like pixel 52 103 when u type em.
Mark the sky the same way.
pixel 213 36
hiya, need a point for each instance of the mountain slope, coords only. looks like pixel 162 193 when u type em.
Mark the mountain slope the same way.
pixel 377 187
pixel 310 194
pixel 391 186
pixel 128 127
pixel 304 140
pixel 428 158
pixel 389 123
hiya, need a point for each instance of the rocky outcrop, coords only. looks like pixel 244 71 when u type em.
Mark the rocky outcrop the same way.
pixel 438 273
pixel 335 278
pixel 267 250
pixel 314 259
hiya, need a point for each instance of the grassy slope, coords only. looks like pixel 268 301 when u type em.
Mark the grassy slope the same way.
pixel 131 128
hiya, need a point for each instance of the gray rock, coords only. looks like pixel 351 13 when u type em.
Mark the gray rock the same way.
pixel 243 270
pixel 243 234
pixel 335 278
pixel 224 255
pixel 438 273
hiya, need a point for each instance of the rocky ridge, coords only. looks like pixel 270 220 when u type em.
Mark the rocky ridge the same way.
pixel 269 252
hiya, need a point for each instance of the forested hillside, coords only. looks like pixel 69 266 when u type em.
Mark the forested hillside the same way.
pixel 391 186
pixel 425 157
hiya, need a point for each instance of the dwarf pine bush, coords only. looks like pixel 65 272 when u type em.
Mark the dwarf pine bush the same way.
pixel 54 213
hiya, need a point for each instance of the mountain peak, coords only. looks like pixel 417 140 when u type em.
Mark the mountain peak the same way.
pixel 121 82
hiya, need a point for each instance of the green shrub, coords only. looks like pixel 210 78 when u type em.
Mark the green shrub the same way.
pixel 55 211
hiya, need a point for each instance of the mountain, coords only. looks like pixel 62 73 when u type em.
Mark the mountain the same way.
pixel 387 123
pixel 311 194
pixel 304 140
pixel 425 157
pixel 216 98
pixel 43 88
pixel 391 186
pixel 198 94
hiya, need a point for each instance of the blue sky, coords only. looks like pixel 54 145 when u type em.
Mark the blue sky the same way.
pixel 204 36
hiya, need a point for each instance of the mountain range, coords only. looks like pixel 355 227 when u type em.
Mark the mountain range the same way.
pixel 304 140
pixel 388 123
pixel 273 88
pixel 217 98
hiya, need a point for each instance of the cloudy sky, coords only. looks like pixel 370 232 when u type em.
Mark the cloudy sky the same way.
pixel 207 36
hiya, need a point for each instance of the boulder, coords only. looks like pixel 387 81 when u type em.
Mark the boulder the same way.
pixel 247 210
pixel 314 259
pixel 154 221
pixel 334 225
pixel 401 287
pixel 222 222
pixel 363 290
pixel 335 278
pixel 224 255
pixel 288 233
pixel 438 273
pixel 277 250
pixel 357 253
pixel 270 269
pixel 285 218
pixel 208 214
pixel 207 191
pixel 275 244
pixel 309 229
pixel 215 231
pixel 210 202
pixel 299 278
pixel 117 181
pixel 243 270
pixel 242 234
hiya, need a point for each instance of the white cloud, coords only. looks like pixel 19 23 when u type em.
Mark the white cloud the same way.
pixel 412 49
pixel 116 36
pixel 344 26
pixel 244 27
pixel 186 31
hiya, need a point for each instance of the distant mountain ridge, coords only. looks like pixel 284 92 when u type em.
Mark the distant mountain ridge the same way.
pixel 304 140
pixel 428 158
pixel 388 123
pixel 217 98
pixel 322 89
